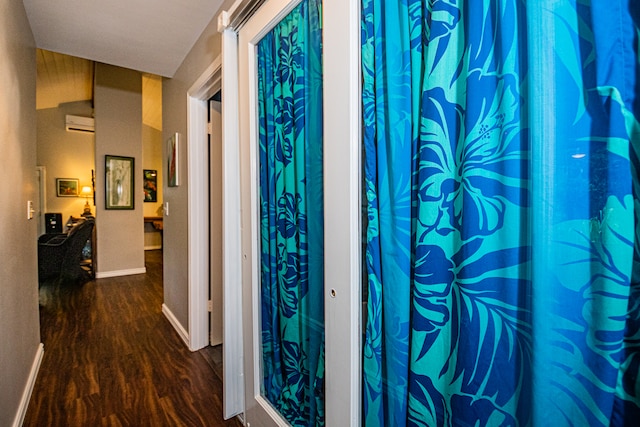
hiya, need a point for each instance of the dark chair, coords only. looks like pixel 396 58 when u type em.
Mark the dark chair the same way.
pixel 60 255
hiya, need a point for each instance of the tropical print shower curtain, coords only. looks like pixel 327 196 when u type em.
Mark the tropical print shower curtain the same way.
pixel 289 62
pixel 502 242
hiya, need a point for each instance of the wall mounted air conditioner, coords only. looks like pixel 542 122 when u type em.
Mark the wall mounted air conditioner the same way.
pixel 79 124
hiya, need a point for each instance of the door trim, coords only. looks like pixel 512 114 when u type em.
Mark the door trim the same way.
pixel 198 202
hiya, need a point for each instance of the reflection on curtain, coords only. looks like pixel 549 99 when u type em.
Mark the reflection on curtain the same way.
pixel 501 173
pixel 291 215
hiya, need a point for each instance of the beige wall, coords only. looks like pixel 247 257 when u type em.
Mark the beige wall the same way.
pixel 65 155
pixel 19 324
pixel 118 109
pixel 174 119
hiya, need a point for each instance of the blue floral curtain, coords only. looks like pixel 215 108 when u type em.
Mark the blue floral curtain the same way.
pixel 502 246
pixel 291 215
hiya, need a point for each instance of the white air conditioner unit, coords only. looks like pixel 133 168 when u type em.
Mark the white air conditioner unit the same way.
pixel 80 124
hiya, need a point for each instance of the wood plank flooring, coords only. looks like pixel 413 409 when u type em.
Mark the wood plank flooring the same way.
pixel 112 359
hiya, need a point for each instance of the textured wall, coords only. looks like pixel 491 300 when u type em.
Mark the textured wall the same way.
pixel 19 323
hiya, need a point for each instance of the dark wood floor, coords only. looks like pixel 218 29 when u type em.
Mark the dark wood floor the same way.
pixel 112 359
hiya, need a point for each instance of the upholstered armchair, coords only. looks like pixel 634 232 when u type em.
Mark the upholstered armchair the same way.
pixel 60 255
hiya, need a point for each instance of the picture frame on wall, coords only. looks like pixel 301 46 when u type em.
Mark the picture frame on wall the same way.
pixel 67 187
pixel 119 182
pixel 173 160
pixel 150 185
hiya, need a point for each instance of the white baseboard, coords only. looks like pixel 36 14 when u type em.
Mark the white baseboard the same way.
pixel 152 247
pixel 31 381
pixel 176 325
pixel 116 273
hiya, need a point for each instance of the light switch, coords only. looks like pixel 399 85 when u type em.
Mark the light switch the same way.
pixel 166 208
pixel 30 209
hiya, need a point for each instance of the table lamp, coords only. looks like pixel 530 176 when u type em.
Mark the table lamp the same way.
pixel 86 192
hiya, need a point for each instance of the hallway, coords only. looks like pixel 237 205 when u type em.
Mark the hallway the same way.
pixel 112 359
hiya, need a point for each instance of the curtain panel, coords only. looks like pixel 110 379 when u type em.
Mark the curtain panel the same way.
pixel 502 241
pixel 289 62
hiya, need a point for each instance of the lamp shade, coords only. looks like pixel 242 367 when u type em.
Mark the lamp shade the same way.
pixel 86 191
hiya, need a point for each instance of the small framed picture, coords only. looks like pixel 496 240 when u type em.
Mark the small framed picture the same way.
pixel 150 183
pixel 119 180
pixel 67 187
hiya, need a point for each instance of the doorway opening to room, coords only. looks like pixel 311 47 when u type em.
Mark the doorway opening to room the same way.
pixel 152 161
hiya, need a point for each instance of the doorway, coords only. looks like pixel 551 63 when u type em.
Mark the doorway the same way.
pixel 215 220
pixel 208 84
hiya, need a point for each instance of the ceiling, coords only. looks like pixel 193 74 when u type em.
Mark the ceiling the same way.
pixel 152 36
pixel 63 78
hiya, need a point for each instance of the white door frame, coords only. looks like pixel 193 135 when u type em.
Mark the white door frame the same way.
pixel 197 113
pixel 198 178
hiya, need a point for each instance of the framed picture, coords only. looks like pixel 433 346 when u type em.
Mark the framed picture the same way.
pixel 150 184
pixel 119 178
pixel 173 160
pixel 67 187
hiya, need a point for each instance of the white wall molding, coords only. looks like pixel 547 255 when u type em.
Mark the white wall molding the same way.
pixel 28 389
pixel 184 335
pixel 118 273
